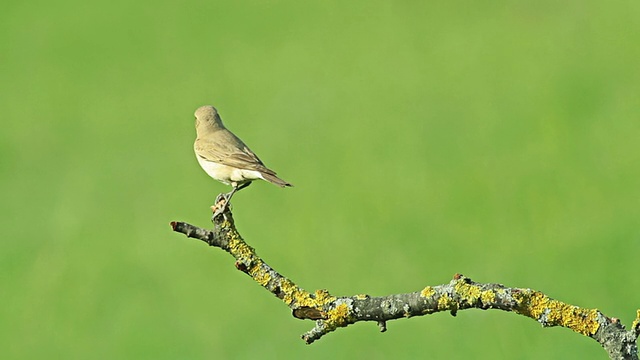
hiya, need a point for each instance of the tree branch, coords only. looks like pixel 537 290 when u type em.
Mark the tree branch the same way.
pixel 331 312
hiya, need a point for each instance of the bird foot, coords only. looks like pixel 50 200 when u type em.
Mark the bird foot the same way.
pixel 221 204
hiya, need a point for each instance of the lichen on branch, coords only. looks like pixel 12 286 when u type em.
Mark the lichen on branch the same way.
pixel 331 312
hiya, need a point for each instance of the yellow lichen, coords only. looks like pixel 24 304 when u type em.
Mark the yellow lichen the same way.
pixel 427 292
pixel 538 306
pixel 469 293
pixel 294 294
pixel 488 297
pixel 446 303
pixel 636 323
pixel 474 293
pixel 323 297
pixel 291 292
pixel 261 276
pixel 338 316
pixel 239 249
pixel 341 311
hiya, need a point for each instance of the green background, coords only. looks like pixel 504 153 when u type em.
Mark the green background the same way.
pixel 498 139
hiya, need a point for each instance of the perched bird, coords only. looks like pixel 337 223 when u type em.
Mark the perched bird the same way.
pixel 224 157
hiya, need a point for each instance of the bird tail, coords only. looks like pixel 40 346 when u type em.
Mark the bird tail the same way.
pixel 272 178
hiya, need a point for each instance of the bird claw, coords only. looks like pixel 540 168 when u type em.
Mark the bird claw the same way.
pixel 221 204
pixel 220 198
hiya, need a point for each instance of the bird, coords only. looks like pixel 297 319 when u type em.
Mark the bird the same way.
pixel 226 158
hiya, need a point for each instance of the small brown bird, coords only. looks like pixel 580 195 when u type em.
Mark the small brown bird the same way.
pixel 224 157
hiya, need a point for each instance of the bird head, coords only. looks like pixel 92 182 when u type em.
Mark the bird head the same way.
pixel 207 119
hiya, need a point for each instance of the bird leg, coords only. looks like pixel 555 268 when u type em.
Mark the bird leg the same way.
pixel 235 189
pixel 242 186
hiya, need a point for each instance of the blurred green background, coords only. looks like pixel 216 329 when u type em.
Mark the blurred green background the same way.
pixel 496 139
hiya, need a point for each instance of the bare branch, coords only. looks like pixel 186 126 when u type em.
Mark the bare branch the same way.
pixel 331 312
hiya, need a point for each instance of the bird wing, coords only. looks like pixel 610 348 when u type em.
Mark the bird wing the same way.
pixel 228 149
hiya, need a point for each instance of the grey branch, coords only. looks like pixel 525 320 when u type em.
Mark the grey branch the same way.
pixel 330 312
